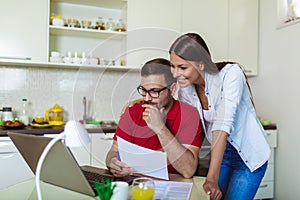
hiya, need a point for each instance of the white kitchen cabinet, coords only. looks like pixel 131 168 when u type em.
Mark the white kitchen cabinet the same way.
pixel 243 34
pixel 12 165
pixel 101 144
pixel 23 34
pixel 229 27
pixel 266 188
pixel 210 20
pixel 152 27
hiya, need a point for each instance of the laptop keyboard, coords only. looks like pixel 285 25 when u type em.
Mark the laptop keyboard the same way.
pixel 92 177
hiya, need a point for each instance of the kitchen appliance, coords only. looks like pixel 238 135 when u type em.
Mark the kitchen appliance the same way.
pixel 7 114
pixel 55 115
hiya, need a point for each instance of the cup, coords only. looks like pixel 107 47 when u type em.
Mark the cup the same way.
pixel 120 191
pixel 143 189
pixel 39 119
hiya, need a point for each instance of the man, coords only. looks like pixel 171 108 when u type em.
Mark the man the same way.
pixel 159 123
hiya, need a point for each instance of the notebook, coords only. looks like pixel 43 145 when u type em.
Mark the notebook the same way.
pixel 60 167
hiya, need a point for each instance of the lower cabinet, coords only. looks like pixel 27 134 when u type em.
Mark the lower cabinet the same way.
pixel 266 188
pixel 13 168
pixel 101 144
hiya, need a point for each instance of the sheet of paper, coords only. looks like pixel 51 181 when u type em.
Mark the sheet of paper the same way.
pixel 143 160
pixel 172 190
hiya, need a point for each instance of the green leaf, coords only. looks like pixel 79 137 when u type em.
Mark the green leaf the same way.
pixel 104 190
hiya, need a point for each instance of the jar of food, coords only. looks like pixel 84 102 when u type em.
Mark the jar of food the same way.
pixel 100 24
pixel 121 27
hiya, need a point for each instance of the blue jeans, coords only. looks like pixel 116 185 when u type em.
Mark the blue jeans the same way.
pixel 236 181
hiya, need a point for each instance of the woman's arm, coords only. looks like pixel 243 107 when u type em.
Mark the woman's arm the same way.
pixel 211 186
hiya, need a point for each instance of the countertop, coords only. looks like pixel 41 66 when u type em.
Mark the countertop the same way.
pixel 55 130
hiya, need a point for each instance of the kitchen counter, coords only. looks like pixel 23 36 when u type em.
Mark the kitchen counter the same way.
pixel 55 130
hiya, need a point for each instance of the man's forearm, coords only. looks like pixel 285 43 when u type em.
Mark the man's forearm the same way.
pixel 182 159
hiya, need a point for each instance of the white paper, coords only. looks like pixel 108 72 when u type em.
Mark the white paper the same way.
pixel 143 160
pixel 165 190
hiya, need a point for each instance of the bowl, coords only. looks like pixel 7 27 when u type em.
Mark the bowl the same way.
pixel 55 54
pixel 58 22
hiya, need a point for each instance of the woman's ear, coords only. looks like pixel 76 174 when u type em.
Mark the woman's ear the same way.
pixel 201 66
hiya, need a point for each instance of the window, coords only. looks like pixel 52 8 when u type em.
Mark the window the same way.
pixel 288 11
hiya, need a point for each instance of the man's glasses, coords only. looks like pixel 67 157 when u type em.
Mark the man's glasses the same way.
pixel 154 92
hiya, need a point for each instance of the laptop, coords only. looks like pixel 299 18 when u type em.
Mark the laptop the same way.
pixel 60 167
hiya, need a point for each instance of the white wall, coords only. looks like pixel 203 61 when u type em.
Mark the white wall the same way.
pixel 277 95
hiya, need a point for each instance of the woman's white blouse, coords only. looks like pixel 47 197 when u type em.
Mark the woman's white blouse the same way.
pixel 231 110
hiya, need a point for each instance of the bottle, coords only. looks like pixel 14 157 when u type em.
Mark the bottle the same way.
pixel 24 114
pixel 110 25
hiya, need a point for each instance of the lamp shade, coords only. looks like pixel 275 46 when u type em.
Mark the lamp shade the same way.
pixel 75 134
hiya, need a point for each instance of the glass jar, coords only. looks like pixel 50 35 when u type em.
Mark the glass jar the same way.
pixel 100 24
pixel 121 27
pixel 110 25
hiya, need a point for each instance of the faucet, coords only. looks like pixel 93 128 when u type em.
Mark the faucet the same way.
pixel 84 110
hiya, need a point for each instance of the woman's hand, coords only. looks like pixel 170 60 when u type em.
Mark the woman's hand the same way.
pixel 212 189
pixel 130 104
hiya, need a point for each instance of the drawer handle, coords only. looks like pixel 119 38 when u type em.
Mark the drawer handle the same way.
pixel 263 186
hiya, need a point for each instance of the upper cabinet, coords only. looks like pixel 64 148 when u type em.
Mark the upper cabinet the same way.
pixel 152 27
pixel 243 34
pixel 229 27
pixel 23 34
pixel 210 20
pixel 73 29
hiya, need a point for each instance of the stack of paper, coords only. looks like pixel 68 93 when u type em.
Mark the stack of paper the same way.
pixel 143 160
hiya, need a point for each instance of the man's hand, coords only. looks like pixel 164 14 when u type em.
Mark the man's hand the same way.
pixel 154 116
pixel 118 168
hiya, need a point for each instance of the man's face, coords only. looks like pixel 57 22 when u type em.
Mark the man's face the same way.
pixel 156 82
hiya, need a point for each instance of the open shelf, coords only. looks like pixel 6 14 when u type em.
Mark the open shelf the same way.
pixel 70 31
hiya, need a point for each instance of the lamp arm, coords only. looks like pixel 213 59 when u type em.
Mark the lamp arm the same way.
pixel 41 160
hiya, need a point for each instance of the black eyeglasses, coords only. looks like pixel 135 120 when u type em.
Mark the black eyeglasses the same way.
pixel 154 92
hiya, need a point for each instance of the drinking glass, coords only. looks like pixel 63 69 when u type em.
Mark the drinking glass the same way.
pixel 142 189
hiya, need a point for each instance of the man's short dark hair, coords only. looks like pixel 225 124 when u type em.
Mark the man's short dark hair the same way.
pixel 159 66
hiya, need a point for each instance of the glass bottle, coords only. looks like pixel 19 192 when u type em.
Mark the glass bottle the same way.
pixel 24 114
pixel 110 25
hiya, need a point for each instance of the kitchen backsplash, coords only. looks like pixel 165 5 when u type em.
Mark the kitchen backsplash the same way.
pixel 106 91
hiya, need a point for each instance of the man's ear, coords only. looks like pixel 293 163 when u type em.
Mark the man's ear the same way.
pixel 173 89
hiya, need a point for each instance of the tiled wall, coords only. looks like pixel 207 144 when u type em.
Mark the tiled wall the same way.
pixel 106 90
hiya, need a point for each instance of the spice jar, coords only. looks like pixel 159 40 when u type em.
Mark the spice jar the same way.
pixel 121 27
pixel 100 24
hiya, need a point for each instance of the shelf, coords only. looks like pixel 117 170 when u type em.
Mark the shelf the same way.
pixel 22 63
pixel 81 32
pixel 113 4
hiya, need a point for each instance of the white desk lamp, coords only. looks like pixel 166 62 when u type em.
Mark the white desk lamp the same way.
pixel 74 134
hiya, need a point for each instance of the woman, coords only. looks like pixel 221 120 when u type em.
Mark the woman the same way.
pixel 220 92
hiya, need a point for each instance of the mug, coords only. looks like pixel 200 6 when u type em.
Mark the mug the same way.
pixel 120 191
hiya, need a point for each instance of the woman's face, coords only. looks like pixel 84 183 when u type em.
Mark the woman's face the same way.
pixel 184 71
